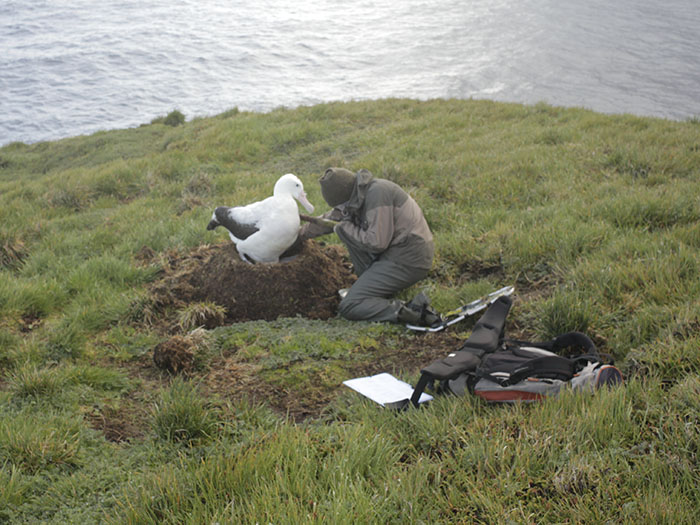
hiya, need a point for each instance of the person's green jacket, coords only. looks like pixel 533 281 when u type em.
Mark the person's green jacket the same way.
pixel 385 220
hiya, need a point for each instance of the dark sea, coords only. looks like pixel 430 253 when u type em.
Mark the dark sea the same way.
pixel 73 67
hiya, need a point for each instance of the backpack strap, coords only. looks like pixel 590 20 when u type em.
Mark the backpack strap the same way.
pixel 574 339
pixel 488 331
pixel 549 367
pixel 559 343
pixel 486 337
pixel 552 366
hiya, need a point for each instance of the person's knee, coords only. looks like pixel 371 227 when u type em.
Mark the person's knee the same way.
pixel 348 309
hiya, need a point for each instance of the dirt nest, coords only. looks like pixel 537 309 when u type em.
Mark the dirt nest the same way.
pixel 307 285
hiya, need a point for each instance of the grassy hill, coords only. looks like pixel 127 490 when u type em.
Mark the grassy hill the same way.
pixel 594 218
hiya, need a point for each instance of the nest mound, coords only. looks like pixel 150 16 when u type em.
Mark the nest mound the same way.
pixel 307 285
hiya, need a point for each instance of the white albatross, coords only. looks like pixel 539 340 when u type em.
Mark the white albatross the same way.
pixel 263 230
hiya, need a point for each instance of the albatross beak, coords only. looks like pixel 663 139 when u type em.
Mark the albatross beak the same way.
pixel 305 202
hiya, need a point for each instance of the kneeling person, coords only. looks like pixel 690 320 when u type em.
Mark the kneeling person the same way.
pixel 389 242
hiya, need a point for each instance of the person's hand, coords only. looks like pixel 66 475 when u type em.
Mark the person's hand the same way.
pixel 315 227
pixel 341 213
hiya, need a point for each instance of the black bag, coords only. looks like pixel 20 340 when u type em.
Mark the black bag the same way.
pixel 523 371
pixel 501 370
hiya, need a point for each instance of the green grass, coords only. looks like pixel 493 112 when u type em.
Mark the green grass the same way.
pixel 182 415
pixel 594 218
pixel 34 443
pixel 199 314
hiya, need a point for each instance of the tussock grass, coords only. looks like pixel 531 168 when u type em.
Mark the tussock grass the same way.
pixel 195 315
pixel 30 381
pixel 182 415
pixel 14 490
pixel 32 444
pixel 565 311
pixel 12 252
pixel 53 385
pixel 174 118
pixel 594 218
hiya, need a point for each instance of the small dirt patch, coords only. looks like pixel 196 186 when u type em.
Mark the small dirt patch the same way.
pixel 29 322
pixel 127 422
pixel 477 269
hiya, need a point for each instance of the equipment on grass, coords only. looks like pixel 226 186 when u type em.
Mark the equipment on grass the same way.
pixel 501 370
pixel 455 316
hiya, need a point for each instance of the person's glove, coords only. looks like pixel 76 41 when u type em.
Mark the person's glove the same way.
pixel 315 226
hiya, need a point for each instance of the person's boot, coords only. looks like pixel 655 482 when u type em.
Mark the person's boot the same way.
pixel 425 317
pixel 418 312
pixel 418 302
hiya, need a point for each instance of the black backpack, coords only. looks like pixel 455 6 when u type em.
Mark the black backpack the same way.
pixel 502 370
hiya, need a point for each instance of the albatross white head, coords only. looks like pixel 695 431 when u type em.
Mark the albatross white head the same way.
pixel 290 184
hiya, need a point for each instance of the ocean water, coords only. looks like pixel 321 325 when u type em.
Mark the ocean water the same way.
pixel 72 67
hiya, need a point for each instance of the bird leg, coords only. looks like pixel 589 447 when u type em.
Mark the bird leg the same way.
pixel 243 256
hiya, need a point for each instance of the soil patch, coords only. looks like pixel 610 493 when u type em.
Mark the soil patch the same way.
pixel 130 417
pixel 123 423
pixel 29 322
pixel 476 269
pixel 307 285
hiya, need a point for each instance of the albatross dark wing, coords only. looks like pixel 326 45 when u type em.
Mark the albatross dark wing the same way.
pixel 238 229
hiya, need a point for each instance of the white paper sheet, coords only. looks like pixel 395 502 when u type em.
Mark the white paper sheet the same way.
pixel 384 389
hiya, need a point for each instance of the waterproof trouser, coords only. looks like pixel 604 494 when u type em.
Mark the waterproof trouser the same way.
pixel 369 298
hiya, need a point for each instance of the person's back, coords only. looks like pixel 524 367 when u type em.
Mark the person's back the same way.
pixel 412 241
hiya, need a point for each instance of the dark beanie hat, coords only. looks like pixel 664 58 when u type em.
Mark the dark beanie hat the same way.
pixel 337 185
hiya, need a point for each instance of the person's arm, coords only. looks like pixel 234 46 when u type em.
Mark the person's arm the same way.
pixel 374 230
pixel 317 226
